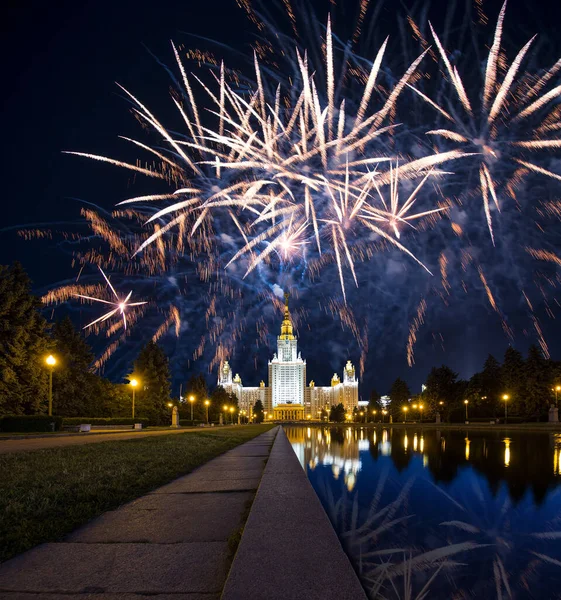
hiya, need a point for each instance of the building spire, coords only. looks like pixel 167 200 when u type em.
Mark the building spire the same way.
pixel 286 327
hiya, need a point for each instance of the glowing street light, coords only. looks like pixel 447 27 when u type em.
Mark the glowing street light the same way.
pixel 232 415
pixel 374 413
pixel 384 413
pixel 405 409
pixel 133 384
pixel 225 410
pixel 207 404
pixel 51 362
pixel 506 398
pixel 557 390
pixel 466 402
pixel 421 411
pixel 191 400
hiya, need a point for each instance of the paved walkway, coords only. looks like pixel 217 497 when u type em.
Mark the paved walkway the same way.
pixel 172 543
pixel 78 439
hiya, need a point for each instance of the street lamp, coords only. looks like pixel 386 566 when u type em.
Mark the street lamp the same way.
pixel 557 390
pixel 225 409
pixel 51 362
pixel 265 415
pixel 421 411
pixel 374 413
pixel 232 415
pixel 133 383
pixel 191 400
pixel 362 414
pixel 405 412
pixel 384 413
pixel 207 403
pixel 466 403
pixel 506 398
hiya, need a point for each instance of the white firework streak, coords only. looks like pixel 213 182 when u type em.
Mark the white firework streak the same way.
pixel 121 305
pixel 503 103
pixel 285 162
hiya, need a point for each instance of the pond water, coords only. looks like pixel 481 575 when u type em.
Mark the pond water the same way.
pixel 427 513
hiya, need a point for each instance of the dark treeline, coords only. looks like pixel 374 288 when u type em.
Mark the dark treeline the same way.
pixel 529 384
pixel 26 339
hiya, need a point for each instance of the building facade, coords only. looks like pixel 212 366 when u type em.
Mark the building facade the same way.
pixel 287 397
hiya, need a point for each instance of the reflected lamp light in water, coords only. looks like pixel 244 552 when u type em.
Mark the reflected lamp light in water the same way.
pixel 507 451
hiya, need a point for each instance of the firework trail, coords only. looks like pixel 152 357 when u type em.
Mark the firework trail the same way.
pixel 122 305
pixel 516 106
pixel 304 171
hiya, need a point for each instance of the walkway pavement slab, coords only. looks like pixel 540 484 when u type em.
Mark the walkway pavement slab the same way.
pixel 234 463
pixel 134 568
pixel 216 481
pixel 55 596
pixel 159 519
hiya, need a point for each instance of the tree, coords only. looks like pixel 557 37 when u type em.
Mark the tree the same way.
pixel 374 404
pixel 152 368
pixel 23 345
pixel 77 392
pixel 258 411
pixel 537 385
pixel 512 375
pixel 491 387
pixel 440 386
pixel 220 398
pixel 196 387
pixel 337 413
pixel 399 395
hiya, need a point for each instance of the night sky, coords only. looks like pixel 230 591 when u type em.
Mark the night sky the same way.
pixel 61 62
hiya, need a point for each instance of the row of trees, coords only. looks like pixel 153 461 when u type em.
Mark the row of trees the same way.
pixel 529 383
pixel 26 339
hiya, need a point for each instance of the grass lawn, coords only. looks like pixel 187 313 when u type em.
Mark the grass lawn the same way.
pixel 46 494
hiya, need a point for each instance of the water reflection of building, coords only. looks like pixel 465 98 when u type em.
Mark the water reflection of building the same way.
pixel 336 448
pixel 287 398
pixel 522 461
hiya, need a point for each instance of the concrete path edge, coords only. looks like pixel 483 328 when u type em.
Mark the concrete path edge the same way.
pixel 289 549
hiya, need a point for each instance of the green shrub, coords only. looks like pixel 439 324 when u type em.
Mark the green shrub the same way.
pixel 29 423
pixel 70 421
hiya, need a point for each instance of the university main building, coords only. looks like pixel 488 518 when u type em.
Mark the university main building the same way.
pixel 287 397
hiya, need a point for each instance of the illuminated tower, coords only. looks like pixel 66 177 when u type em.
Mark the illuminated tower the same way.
pixel 287 370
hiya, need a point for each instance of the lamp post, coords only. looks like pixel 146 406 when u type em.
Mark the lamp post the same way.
pixel 384 413
pixel 466 403
pixel 191 400
pixel 133 383
pixel 232 415
pixel 505 399
pixel 207 403
pixel 51 362
pixel 374 414
pixel 405 412
pixel 265 415
pixel 557 390
pixel 421 411
pixel 225 413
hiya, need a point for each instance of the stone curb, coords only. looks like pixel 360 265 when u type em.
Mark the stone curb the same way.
pixel 289 549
